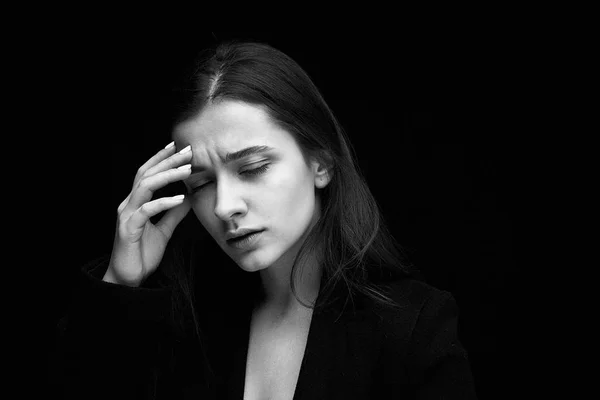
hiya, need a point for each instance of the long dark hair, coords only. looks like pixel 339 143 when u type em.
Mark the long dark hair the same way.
pixel 358 252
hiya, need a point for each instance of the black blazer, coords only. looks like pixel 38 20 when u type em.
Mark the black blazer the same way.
pixel 120 342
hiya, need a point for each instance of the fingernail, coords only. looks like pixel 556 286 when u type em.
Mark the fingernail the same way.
pixel 170 145
pixel 186 149
pixel 184 167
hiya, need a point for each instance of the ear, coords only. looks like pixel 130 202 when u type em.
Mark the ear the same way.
pixel 323 173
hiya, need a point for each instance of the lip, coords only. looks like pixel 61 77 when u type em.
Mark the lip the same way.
pixel 240 232
pixel 247 242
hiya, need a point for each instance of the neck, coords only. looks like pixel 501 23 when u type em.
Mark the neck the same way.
pixel 279 300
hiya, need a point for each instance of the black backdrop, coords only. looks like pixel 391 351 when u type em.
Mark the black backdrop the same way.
pixel 435 161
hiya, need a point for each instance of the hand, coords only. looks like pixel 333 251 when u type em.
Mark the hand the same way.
pixel 139 245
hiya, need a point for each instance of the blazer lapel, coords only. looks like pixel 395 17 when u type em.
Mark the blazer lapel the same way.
pixel 325 340
pixel 325 359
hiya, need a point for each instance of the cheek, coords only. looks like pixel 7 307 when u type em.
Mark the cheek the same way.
pixel 288 191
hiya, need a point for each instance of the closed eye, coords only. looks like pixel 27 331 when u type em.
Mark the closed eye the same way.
pixel 256 171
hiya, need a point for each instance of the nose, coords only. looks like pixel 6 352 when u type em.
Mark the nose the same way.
pixel 228 201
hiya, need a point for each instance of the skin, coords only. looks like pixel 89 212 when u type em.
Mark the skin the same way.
pixel 283 199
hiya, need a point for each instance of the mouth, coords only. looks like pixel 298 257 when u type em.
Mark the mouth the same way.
pixel 240 238
pixel 246 240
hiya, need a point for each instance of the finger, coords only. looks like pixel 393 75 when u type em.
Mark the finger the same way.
pixel 135 224
pixel 146 187
pixel 158 157
pixel 171 162
pixel 173 217
pixel 123 204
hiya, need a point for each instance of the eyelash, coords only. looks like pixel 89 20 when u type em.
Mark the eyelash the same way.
pixel 256 171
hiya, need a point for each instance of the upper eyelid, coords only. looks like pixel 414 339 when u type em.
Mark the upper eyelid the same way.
pixel 257 162
pixel 250 166
pixel 245 165
pixel 199 187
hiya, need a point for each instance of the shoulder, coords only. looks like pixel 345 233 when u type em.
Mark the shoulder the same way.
pixel 420 343
pixel 420 310
pixel 418 349
pixel 412 296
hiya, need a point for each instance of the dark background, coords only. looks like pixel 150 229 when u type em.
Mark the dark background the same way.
pixel 435 155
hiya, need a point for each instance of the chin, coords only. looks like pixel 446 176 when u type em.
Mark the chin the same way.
pixel 256 260
pixel 250 265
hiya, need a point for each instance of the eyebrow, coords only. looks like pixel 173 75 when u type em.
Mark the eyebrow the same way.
pixel 230 157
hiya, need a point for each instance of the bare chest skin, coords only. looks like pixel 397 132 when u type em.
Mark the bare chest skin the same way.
pixel 275 353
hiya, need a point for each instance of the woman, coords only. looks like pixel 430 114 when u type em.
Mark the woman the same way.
pixel 320 303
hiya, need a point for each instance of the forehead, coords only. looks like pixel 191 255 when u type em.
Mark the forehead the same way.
pixel 229 125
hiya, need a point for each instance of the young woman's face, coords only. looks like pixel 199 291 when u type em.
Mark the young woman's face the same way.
pixel 273 190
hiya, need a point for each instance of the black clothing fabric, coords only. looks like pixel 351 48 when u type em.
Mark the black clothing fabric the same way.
pixel 120 342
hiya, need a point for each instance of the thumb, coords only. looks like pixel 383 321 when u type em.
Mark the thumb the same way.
pixel 173 217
